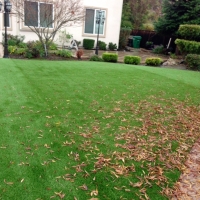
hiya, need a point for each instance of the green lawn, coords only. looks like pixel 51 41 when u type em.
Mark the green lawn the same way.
pixel 87 130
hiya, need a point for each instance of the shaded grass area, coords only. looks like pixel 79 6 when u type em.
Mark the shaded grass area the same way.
pixel 83 130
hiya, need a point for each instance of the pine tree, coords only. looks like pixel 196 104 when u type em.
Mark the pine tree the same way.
pixel 177 12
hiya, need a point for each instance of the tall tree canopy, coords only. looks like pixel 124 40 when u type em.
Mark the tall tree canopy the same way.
pixel 177 12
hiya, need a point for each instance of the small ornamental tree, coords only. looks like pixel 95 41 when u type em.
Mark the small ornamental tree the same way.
pixel 46 17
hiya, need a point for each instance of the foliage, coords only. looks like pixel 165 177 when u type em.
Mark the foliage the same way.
pixel 79 53
pixel 189 32
pixel 22 45
pixel 186 46
pixel 88 43
pixel 64 37
pixel 109 57
pixel 53 46
pixel 12 49
pixel 123 38
pixel 173 55
pixel 176 13
pixel 134 60
pixel 148 27
pixel 64 53
pixel 153 61
pixel 102 45
pixel 193 61
pixel 20 51
pixel 34 49
pixel 96 58
pixel 13 40
pixel 159 49
pixel 112 46
pixel 127 17
pixel 15 50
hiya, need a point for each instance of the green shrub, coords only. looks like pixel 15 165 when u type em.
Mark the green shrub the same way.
pixel 102 45
pixel 159 49
pixel 88 43
pixel 53 46
pixel 112 46
pixel 189 31
pixel 193 61
pixel 110 57
pixel 153 61
pixel 96 58
pixel 20 51
pixel 64 53
pixel 123 38
pixel 12 49
pixel 22 45
pixel 134 60
pixel 13 40
pixel 34 49
pixel 188 47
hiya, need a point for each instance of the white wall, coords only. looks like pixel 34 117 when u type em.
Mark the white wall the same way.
pixel 113 21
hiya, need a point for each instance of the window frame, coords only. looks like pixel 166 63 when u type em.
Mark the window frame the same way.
pixel 9 28
pixel 38 20
pixel 94 24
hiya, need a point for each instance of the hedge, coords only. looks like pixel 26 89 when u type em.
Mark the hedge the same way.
pixel 110 57
pixel 186 46
pixel 189 32
pixel 153 61
pixel 134 60
pixel 193 61
pixel 88 43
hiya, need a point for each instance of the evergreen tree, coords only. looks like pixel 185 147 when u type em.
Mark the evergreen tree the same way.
pixel 177 12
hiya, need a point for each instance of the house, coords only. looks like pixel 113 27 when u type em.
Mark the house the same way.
pixel 108 31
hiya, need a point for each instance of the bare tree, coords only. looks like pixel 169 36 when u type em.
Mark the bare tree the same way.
pixel 47 17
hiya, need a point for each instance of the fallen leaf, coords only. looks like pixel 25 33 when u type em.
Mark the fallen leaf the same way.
pixel 83 187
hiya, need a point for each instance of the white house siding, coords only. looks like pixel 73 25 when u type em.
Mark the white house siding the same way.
pixel 112 25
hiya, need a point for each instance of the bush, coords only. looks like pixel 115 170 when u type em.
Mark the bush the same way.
pixel 153 61
pixel 123 38
pixel 134 60
pixel 34 49
pixel 88 43
pixel 13 40
pixel 22 45
pixel 112 46
pixel 110 57
pixel 96 58
pixel 186 46
pixel 12 49
pixel 189 32
pixel 159 49
pixel 193 61
pixel 64 53
pixel 20 51
pixel 102 45
pixel 53 46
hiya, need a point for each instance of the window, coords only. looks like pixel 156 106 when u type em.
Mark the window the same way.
pixel 38 14
pixel 6 17
pixel 91 27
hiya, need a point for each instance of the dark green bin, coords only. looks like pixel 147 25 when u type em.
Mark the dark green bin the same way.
pixel 136 41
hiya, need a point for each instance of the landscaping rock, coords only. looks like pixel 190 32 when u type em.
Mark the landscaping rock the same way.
pixel 170 62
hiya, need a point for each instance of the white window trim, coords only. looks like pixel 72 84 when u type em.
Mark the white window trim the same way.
pixel 105 24
pixel 25 27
